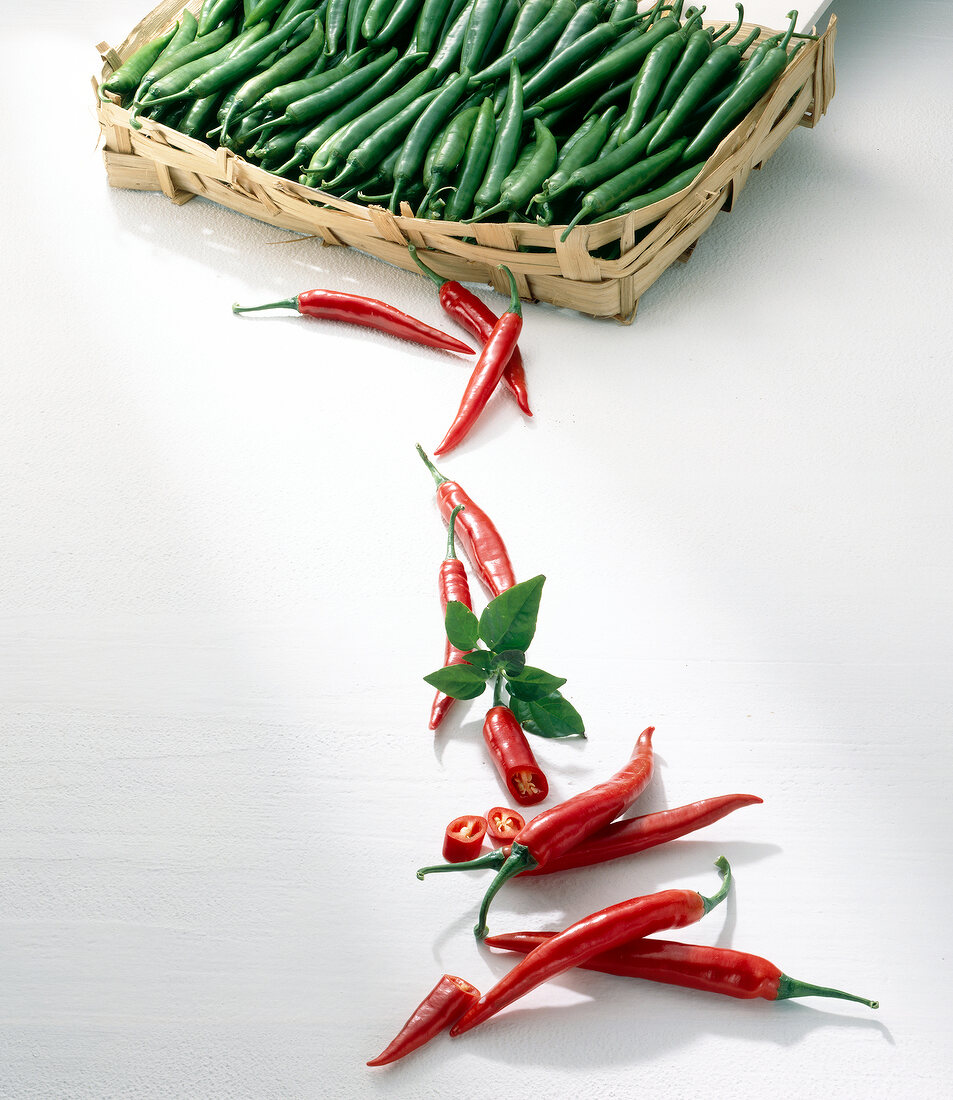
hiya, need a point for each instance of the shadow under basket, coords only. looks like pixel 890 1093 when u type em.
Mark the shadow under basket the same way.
pixel 571 273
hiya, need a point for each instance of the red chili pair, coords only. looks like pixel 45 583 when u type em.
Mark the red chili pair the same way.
pixel 464 836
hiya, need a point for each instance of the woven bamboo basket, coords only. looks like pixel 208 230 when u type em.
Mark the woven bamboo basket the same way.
pixel 564 273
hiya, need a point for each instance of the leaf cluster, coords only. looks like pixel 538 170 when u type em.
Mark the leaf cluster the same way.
pixel 506 628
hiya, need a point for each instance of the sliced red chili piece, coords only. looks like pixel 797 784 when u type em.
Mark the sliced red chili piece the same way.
pixel 514 760
pixel 502 824
pixel 463 838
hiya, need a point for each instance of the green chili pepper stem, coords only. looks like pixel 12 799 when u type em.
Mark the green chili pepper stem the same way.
pixel 520 859
pixel 451 545
pixel 515 305
pixel 436 279
pixel 492 860
pixel 736 27
pixel 791 987
pixel 437 475
pixel 285 303
pixel 725 871
pixel 498 691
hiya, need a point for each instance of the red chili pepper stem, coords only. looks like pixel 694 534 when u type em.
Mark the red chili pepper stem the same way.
pixel 451 545
pixel 489 861
pixel 285 303
pixel 791 987
pixel 724 869
pixel 438 477
pixel 437 280
pixel 520 859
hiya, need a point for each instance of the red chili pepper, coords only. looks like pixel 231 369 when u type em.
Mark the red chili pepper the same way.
pixel 463 838
pixel 521 775
pixel 479 537
pixel 562 827
pixel 713 969
pixel 478 319
pixel 502 824
pixel 452 584
pixel 335 305
pixel 602 931
pixel 487 372
pixel 619 838
pixel 443 1005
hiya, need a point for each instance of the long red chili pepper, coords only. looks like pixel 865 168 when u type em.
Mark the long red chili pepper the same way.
pixel 488 371
pixel 713 969
pixel 562 827
pixel 477 534
pixel 509 749
pixel 617 924
pixel 619 838
pixel 478 319
pixel 444 1004
pixel 335 305
pixel 452 584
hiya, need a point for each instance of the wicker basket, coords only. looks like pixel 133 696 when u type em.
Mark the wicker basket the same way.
pixel 564 273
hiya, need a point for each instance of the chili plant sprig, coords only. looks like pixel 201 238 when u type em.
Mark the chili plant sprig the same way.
pixel 506 628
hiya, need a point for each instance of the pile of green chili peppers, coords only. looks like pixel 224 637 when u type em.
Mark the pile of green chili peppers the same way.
pixel 559 111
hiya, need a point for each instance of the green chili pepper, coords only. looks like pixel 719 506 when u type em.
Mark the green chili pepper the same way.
pixel 447 55
pixel 622 58
pixel 745 94
pixel 199 116
pixel 126 79
pixel 649 82
pixel 356 12
pixel 429 22
pixel 345 138
pixel 581 148
pixel 484 16
pixel 293 7
pixel 250 94
pixel 537 42
pixel 719 64
pixel 376 16
pixel 505 145
pixel 310 143
pixel 532 168
pixel 630 181
pixel 335 92
pixel 446 153
pixel 474 163
pixel 422 131
pixel 279 99
pixel 180 83
pixel 697 48
pixel 335 24
pixel 569 58
pixel 195 52
pixel 213 13
pixel 361 151
pixel 262 12
pixel 529 15
pixel 611 162
pixel 165 62
pixel 401 14
pixel 647 198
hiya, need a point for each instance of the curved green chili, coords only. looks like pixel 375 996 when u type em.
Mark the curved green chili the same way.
pixel 422 132
pixel 532 167
pixel 649 81
pixel 505 145
pixel 213 13
pixel 582 148
pixel 126 79
pixel 621 59
pixel 474 163
pixel 647 198
pixel 611 162
pixel 537 42
pixel 630 181
pixel 446 57
pixel 262 12
pixel 449 149
pixel 481 23
pixel 703 83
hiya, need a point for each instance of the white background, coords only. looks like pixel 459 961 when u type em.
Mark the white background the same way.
pixel 217 601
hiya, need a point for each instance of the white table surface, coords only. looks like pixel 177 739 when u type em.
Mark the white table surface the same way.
pixel 218 553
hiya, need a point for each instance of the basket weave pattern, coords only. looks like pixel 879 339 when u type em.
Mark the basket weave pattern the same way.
pixel 564 273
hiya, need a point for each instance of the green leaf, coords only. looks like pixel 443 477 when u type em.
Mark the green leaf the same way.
pixel 482 660
pixel 509 620
pixel 463 627
pixel 458 681
pixel 511 662
pixel 533 683
pixel 551 716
